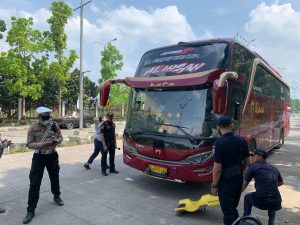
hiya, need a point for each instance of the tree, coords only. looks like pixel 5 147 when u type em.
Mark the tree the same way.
pixel 111 62
pixel 2 28
pixel 90 91
pixel 60 70
pixel 26 59
pixel 72 90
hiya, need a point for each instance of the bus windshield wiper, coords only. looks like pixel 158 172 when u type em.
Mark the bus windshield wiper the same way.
pixel 181 128
pixel 139 132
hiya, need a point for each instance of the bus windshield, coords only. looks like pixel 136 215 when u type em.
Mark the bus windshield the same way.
pixel 177 112
pixel 182 60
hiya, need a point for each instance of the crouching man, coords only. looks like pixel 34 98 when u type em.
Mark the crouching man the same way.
pixel 267 179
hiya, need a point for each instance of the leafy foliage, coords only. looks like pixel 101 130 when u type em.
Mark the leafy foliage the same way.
pixel 112 61
pixel 2 28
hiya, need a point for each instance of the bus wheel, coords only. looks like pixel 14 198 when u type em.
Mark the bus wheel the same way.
pixel 70 126
pixel 252 146
pixel 281 140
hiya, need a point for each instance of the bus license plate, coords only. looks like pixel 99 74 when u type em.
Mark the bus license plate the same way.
pixel 158 169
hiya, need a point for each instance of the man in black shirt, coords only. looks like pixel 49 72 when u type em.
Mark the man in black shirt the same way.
pixel 267 179
pixel 108 139
pixel 231 158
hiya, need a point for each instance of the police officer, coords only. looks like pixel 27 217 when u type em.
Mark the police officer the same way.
pixel 43 137
pixel 231 158
pixel 267 179
pixel 3 145
pixel 108 139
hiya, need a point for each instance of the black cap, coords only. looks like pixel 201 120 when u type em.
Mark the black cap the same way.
pixel 109 114
pixel 224 121
pixel 261 152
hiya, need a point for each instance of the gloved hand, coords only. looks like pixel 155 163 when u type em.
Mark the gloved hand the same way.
pixel 47 143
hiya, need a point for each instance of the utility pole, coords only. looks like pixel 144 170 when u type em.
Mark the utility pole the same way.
pixel 81 59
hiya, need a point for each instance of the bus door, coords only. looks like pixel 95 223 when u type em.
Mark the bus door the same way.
pixel 236 99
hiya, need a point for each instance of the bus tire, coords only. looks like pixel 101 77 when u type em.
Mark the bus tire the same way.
pixel 281 140
pixel 70 126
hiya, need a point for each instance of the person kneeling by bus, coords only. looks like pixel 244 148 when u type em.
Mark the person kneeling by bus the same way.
pixel 267 179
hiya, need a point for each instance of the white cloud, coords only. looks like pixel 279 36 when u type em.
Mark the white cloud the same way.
pixel 39 18
pixel 135 30
pixel 159 26
pixel 207 35
pixel 276 28
pixel 6 14
pixel 94 8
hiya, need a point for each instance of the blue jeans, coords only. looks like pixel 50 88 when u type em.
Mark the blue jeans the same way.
pixel 251 200
pixel 229 192
pixel 97 149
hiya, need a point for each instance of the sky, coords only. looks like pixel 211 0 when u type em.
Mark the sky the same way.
pixel 271 28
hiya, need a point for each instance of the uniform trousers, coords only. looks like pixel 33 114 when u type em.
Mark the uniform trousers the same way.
pixel 39 162
pixel 111 150
pixel 250 200
pixel 229 192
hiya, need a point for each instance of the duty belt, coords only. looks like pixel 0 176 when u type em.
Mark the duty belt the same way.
pixel 44 151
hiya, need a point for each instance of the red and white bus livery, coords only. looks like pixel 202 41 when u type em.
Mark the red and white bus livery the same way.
pixel 179 91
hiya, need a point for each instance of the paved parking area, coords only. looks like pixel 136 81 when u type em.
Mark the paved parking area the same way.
pixel 128 198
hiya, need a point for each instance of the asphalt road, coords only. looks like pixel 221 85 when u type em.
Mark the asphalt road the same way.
pixel 129 198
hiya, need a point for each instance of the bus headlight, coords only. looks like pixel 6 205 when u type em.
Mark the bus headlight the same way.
pixel 129 148
pixel 200 158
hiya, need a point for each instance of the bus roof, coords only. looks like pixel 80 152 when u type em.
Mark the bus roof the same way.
pixel 224 40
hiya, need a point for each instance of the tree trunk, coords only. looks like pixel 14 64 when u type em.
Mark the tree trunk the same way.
pixel 63 109
pixel 59 105
pixel 123 110
pixel 24 108
pixel 19 108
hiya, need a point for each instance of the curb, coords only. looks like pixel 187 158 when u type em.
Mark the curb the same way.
pixel 6 129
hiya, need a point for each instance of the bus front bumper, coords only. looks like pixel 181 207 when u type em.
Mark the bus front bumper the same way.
pixel 169 170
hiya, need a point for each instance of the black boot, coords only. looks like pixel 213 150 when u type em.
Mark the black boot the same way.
pixel 28 217
pixel 2 210
pixel 87 166
pixel 58 201
pixel 114 171
pixel 103 172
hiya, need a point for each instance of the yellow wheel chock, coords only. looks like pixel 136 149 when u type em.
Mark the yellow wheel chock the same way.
pixel 187 205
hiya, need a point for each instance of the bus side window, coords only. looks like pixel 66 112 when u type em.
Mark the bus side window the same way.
pixel 241 62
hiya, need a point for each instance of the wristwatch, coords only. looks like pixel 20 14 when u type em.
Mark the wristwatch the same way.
pixel 214 186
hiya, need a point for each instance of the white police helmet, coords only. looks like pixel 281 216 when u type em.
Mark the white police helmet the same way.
pixel 43 109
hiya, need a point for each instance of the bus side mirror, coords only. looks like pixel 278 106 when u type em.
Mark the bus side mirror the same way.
pixel 219 98
pixel 104 93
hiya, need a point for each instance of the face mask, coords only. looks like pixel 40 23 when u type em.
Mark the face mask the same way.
pixel 44 122
pixel 45 116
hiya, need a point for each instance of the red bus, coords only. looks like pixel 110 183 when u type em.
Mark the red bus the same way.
pixel 179 91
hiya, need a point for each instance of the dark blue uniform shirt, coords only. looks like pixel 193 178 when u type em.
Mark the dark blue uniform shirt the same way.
pixel 266 179
pixel 230 150
pixel 108 130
